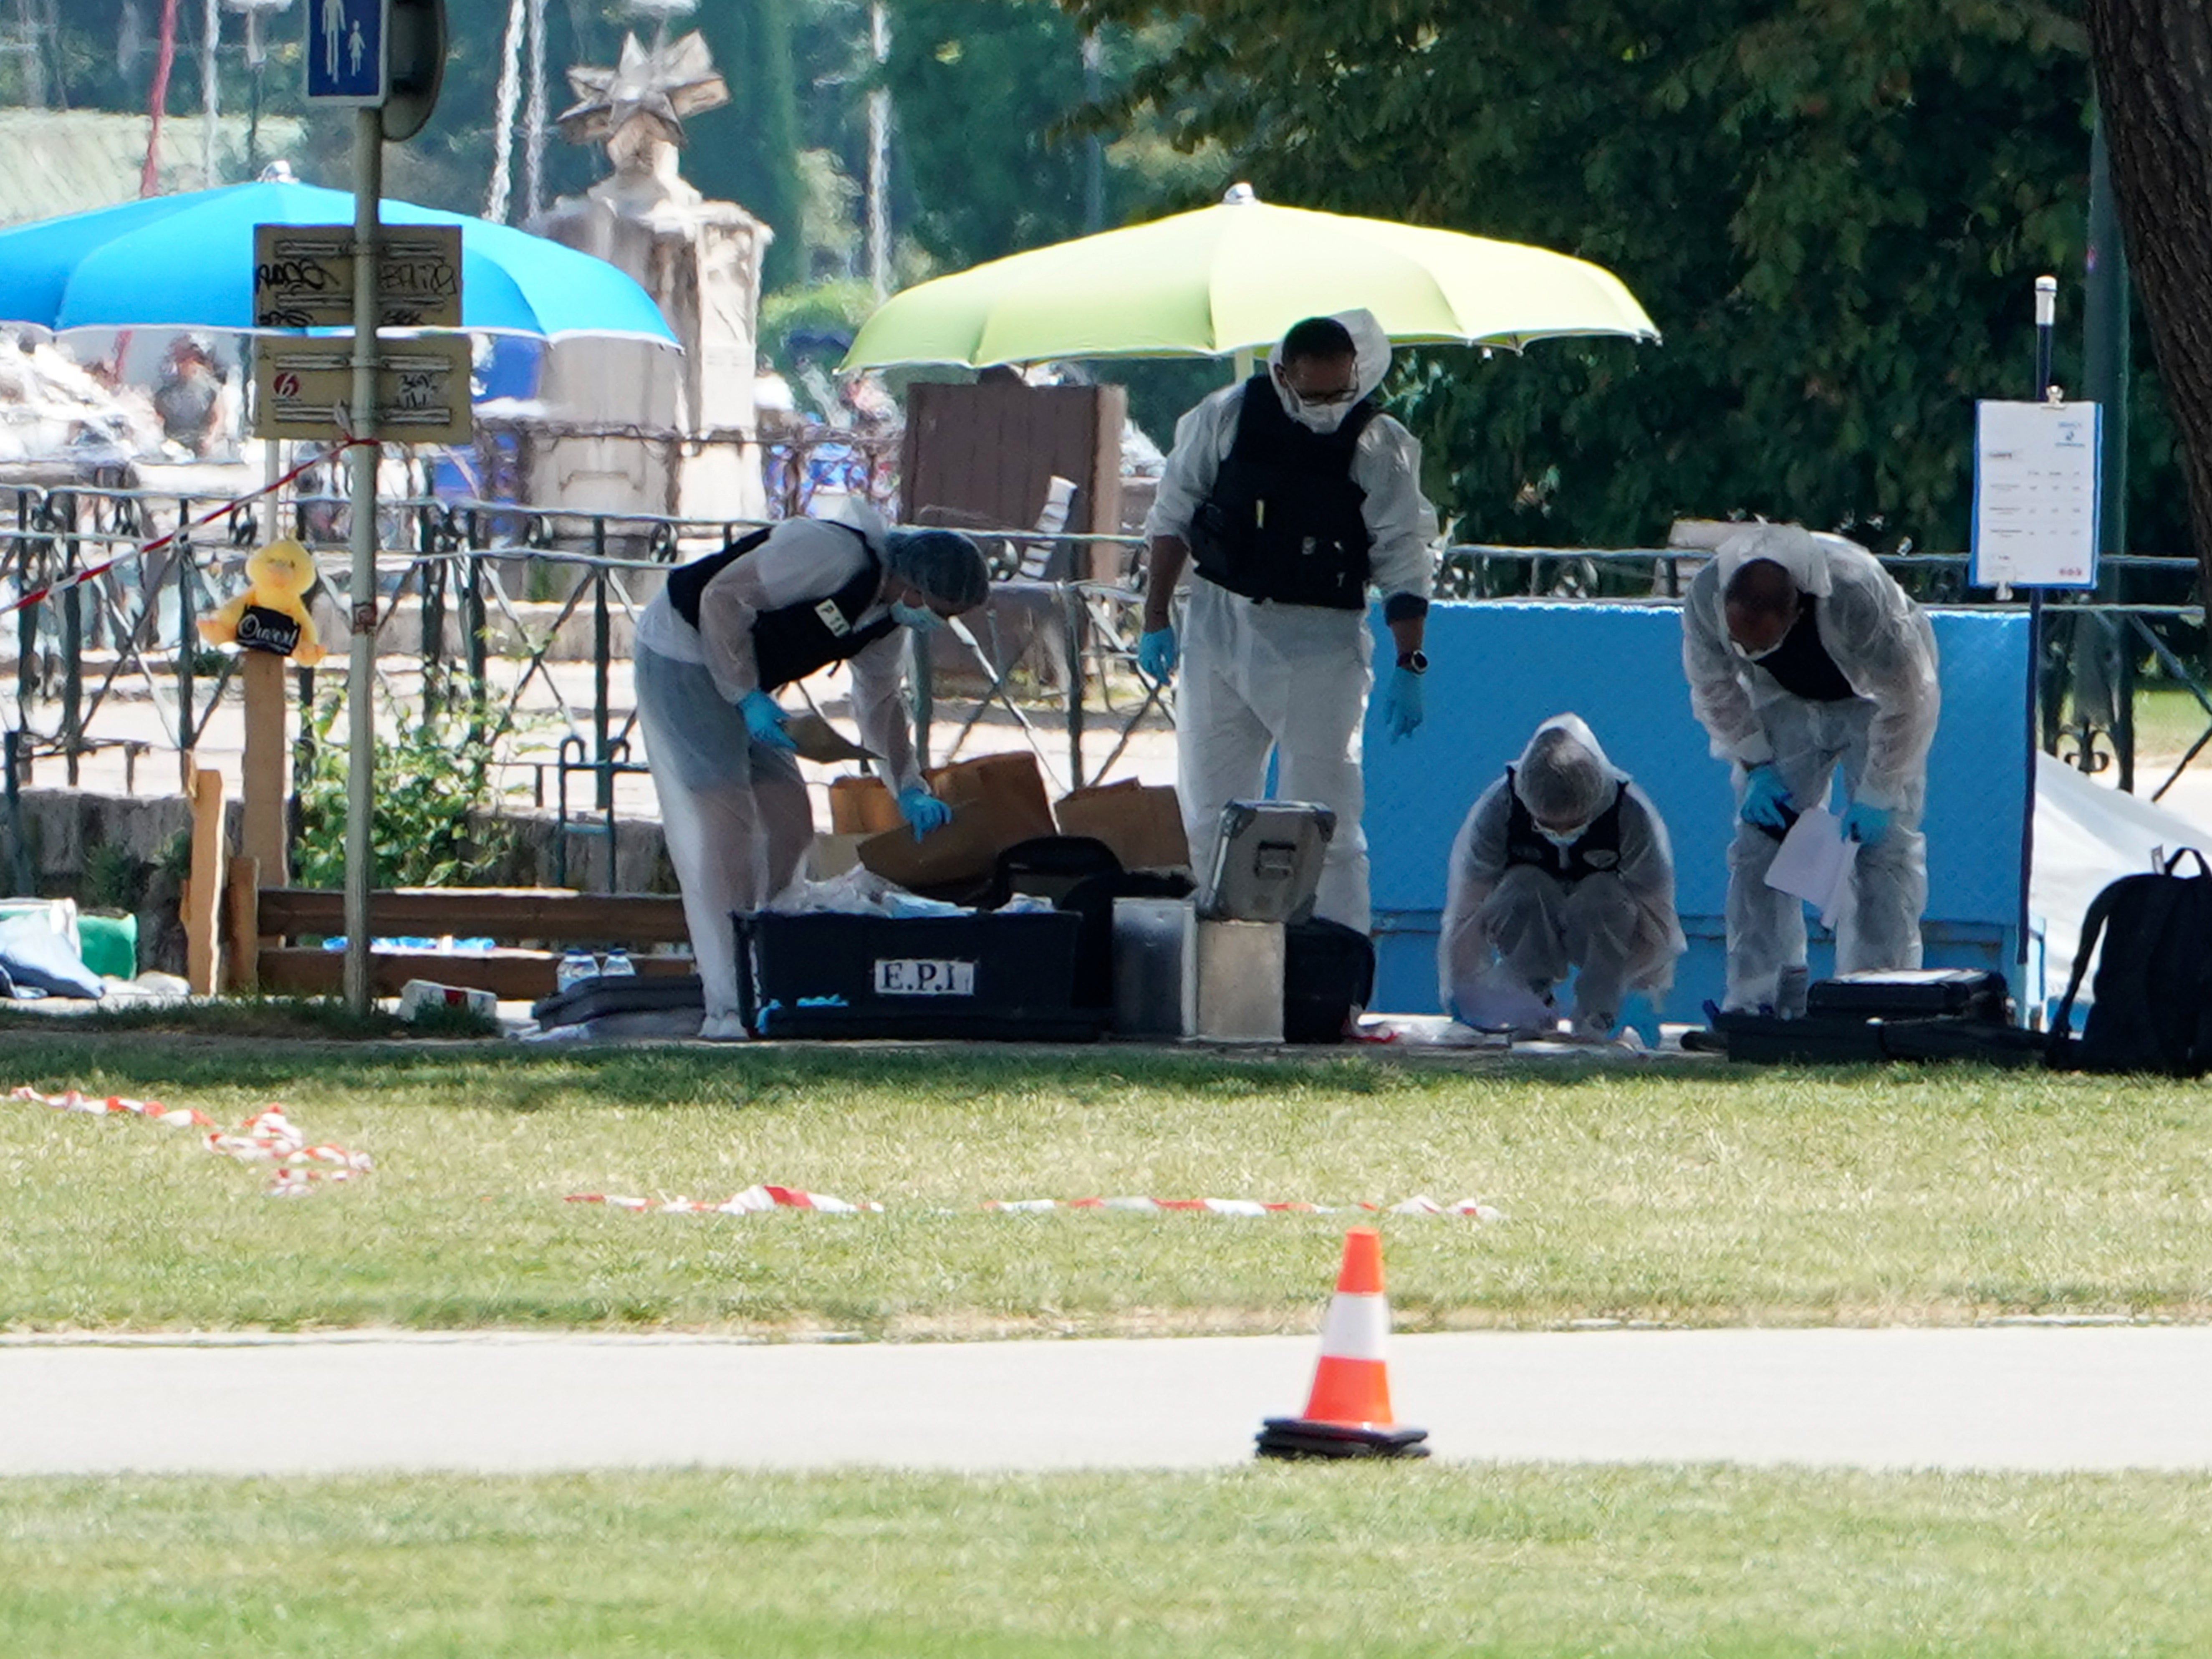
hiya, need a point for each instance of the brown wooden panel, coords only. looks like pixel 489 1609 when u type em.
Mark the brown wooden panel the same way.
pixel 985 453
pixel 511 975
pixel 553 915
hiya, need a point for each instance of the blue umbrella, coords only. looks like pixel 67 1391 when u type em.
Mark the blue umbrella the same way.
pixel 186 261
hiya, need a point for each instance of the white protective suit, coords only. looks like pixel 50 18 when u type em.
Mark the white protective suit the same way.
pixel 1617 929
pixel 1882 644
pixel 1290 680
pixel 735 814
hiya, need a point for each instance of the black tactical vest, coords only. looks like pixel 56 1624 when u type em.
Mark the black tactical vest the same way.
pixel 1801 665
pixel 791 643
pixel 1283 521
pixel 1596 850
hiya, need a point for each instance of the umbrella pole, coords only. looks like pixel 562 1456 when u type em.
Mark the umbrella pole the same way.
pixel 360 767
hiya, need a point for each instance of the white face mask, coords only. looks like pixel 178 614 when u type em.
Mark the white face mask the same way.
pixel 1750 655
pixel 920 618
pixel 1563 838
pixel 1323 418
pixel 1320 418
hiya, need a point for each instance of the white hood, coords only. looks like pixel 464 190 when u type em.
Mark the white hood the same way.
pixel 1371 349
pixel 1577 732
pixel 1802 552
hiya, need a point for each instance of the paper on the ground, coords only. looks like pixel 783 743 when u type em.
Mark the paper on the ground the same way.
pixel 1815 862
pixel 1499 1003
pixel 815 739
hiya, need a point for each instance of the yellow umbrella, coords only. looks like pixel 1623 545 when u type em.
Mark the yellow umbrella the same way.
pixel 1234 276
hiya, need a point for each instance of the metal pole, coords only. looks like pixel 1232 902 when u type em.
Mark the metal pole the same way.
pixel 2046 315
pixel 879 157
pixel 210 85
pixel 361 766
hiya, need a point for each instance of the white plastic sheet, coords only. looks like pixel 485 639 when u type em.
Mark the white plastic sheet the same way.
pixel 2087 835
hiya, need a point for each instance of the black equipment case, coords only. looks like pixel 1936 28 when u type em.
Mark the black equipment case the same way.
pixel 1006 977
pixel 1913 994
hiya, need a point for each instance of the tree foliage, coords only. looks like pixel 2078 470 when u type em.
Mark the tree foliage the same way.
pixel 1835 214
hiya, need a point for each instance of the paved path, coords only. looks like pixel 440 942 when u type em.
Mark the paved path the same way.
pixel 2017 1398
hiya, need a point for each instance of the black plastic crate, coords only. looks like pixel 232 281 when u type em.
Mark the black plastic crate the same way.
pixel 1005 977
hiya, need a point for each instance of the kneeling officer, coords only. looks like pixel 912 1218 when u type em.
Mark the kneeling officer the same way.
pixel 1562 866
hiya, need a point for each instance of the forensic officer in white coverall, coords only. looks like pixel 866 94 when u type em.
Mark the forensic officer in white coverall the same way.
pixel 712 650
pixel 1563 865
pixel 1292 496
pixel 1803 655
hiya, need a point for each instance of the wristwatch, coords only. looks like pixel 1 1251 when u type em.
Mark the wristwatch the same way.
pixel 1414 662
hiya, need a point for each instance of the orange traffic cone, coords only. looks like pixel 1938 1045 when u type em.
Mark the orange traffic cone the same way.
pixel 1348 1413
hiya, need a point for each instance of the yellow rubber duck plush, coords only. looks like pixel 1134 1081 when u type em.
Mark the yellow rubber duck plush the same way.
pixel 272 615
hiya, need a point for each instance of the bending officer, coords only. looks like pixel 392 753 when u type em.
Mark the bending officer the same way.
pixel 712 649
pixel 1802 654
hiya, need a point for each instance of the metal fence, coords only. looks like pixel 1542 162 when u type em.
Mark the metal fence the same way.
pixel 516 622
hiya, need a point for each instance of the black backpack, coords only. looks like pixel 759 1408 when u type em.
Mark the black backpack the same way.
pixel 2152 1006
pixel 1328 979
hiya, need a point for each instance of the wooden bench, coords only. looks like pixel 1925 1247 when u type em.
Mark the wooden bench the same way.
pixel 529 927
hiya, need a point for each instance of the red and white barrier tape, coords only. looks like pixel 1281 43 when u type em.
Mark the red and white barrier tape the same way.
pixel 750 1201
pixel 267 1137
pixel 78 578
pixel 755 1198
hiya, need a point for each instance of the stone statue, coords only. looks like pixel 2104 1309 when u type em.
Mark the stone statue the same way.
pixel 701 261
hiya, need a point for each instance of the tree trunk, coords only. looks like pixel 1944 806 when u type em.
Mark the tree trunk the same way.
pixel 2154 61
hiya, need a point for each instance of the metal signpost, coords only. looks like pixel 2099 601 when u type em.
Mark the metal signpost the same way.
pixel 2037 475
pixel 352 63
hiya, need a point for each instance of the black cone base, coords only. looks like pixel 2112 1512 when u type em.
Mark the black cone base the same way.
pixel 1301 1437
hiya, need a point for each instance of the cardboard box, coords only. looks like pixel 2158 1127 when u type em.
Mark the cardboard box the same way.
pixel 997 801
pixel 1142 823
pixel 1012 784
pixel 861 806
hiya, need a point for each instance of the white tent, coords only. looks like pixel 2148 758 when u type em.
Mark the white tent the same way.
pixel 2085 836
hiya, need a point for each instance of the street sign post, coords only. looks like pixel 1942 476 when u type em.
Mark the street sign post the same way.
pixel 303 276
pixel 304 390
pixel 348 62
pixel 391 77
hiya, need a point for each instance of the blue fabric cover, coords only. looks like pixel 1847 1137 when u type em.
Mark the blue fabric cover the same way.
pixel 35 956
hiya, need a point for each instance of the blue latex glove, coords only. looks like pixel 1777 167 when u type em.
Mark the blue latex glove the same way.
pixel 764 720
pixel 1865 824
pixel 922 811
pixel 1402 704
pixel 1765 797
pixel 1156 654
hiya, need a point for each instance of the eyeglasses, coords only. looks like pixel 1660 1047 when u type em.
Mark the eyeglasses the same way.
pixel 1328 400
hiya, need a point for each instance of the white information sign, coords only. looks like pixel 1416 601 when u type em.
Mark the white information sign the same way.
pixel 2036 476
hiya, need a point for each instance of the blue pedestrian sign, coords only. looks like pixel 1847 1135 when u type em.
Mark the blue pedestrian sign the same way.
pixel 347 59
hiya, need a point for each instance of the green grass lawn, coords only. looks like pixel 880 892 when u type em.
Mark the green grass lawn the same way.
pixel 1688 1193
pixel 2168 719
pixel 1280 1562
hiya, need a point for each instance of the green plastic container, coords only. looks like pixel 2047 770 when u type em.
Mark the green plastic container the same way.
pixel 109 944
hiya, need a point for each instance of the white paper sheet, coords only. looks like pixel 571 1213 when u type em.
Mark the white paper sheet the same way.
pixel 1815 863
pixel 1498 1002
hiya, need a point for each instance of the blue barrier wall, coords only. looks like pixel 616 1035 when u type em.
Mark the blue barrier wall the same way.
pixel 1501 668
